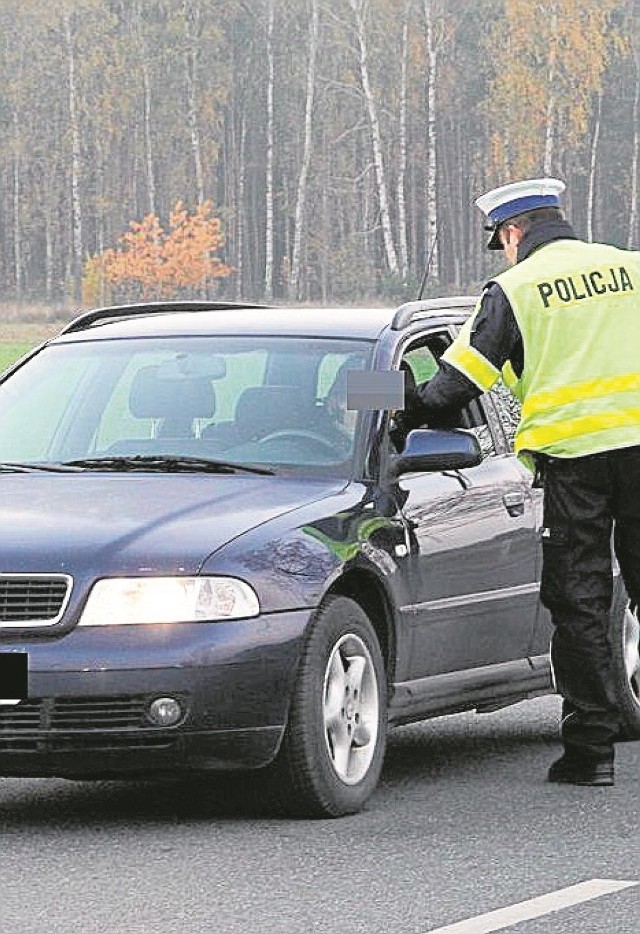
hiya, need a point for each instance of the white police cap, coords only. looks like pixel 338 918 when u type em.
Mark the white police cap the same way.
pixel 505 202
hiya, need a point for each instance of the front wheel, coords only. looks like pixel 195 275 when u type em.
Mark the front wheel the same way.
pixel 334 743
pixel 625 633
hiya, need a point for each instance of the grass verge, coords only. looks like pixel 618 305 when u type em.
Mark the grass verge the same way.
pixel 16 338
pixel 12 351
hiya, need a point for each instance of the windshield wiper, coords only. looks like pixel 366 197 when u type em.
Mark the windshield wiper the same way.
pixel 167 463
pixel 24 467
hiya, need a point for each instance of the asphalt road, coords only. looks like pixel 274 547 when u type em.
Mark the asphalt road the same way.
pixel 462 824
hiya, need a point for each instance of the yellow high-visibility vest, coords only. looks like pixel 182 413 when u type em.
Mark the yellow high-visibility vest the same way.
pixel 578 309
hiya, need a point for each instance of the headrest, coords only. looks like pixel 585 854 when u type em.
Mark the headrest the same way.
pixel 155 396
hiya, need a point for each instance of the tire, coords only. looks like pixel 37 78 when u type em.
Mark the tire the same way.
pixel 625 634
pixel 334 743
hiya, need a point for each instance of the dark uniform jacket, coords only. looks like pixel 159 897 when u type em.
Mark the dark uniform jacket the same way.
pixel 495 335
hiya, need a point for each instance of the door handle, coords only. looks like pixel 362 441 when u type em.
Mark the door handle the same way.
pixel 514 503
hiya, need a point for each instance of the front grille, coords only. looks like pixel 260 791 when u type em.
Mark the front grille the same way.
pixel 74 713
pixel 33 599
pixel 24 716
pixel 79 723
pixel 98 713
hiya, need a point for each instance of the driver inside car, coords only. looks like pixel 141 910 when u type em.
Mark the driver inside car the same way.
pixel 339 418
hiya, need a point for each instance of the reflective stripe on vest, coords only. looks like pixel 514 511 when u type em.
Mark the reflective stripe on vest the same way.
pixel 466 358
pixel 511 381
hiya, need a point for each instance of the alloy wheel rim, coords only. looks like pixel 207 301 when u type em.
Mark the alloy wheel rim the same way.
pixel 631 636
pixel 351 709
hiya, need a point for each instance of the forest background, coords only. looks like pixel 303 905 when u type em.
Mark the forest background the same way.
pixel 334 147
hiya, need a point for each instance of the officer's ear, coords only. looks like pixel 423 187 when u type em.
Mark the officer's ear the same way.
pixel 510 238
pixel 515 233
pixel 504 233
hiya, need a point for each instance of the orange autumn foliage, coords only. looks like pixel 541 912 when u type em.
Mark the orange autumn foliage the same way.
pixel 151 263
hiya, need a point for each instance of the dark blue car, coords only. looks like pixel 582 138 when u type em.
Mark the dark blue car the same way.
pixel 213 558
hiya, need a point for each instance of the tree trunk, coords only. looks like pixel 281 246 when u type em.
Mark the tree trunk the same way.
pixel 268 260
pixel 376 139
pixel 633 212
pixel 148 142
pixel 301 200
pixel 76 161
pixel 550 136
pixel 592 168
pixel 48 251
pixel 402 149
pixel 17 226
pixel 192 27
pixel 432 164
pixel 325 227
pixel 146 100
pixel 240 208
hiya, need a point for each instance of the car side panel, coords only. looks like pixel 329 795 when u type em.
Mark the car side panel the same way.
pixel 472 569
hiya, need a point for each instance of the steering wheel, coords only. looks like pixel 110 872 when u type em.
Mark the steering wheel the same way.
pixel 300 435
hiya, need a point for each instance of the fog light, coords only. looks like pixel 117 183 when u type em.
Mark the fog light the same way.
pixel 165 711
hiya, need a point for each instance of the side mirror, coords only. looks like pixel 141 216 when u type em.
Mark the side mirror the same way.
pixel 429 449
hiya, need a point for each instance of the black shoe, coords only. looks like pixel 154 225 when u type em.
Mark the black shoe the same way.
pixel 568 770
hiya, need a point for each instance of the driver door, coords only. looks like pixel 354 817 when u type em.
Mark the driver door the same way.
pixel 471 572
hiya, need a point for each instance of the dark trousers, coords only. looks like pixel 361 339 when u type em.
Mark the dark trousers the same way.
pixel 584 500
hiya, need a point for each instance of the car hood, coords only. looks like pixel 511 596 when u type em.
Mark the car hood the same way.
pixel 102 525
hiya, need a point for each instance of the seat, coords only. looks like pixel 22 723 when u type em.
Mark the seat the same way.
pixel 176 401
pixel 261 411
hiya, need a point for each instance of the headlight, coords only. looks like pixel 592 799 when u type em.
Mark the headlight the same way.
pixel 134 600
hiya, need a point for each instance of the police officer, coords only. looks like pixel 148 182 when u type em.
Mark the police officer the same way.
pixel 561 325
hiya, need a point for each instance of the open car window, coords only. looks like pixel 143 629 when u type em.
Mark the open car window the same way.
pixel 420 361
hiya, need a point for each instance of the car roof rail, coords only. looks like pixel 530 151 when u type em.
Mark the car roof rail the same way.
pixel 411 311
pixel 111 312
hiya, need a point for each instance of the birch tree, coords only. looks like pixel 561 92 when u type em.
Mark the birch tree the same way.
pixel 269 232
pixel 144 66
pixel 593 163
pixel 632 229
pixel 15 54
pixel 303 179
pixel 432 152
pixel 192 14
pixel 550 119
pixel 403 248
pixel 359 9
pixel 69 31
pixel 240 206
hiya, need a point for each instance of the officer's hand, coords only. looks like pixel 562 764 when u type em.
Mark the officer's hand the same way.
pixel 398 430
pixel 403 420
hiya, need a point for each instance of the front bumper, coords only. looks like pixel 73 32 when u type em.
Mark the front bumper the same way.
pixel 90 690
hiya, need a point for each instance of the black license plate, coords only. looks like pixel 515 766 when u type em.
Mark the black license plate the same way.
pixel 14 677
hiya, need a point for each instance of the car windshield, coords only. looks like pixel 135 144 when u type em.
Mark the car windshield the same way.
pixel 278 402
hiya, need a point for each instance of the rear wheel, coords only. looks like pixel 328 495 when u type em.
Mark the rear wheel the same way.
pixel 334 743
pixel 626 650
